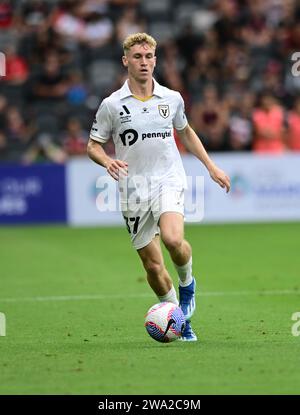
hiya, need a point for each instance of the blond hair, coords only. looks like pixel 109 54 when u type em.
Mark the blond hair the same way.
pixel 138 39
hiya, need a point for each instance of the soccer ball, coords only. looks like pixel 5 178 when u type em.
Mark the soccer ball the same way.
pixel 165 322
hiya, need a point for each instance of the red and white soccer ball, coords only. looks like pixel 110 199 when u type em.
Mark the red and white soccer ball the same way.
pixel 165 322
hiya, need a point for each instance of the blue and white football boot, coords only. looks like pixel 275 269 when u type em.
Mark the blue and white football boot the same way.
pixel 187 304
pixel 187 301
pixel 188 335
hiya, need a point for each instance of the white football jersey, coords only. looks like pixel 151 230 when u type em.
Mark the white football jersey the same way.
pixel 142 132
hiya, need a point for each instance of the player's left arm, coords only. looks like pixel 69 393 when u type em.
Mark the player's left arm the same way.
pixel 193 144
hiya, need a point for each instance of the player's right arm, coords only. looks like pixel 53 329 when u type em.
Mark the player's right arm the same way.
pixel 101 132
pixel 113 167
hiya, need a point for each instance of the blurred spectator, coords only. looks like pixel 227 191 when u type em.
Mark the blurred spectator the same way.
pixel 17 70
pixel 269 125
pixel 75 138
pixel 236 63
pixel 18 133
pixel 204 71
pixel 255 31
pixel 3 140
pixel 240 125
pixel 44 149
pixel 3 147
pixel 51 84
pixel 209 119
pixel 34 14
pixel 68 20
pixel 38 45
pixel 188 41
pixel 99 6
pixel 77 91
pixel 6 15
pixel 3 107
pixel 129 22
pixel 98 30
pixel 293 133
pixel 272 79
pixel 292 36
pixel 227 25
pixel 125 3
pixel 170 68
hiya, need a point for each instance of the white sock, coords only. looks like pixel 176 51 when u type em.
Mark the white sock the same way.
pixel 185 273
pixel 171 296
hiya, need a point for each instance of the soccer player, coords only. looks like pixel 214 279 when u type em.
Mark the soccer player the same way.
pixel 140 117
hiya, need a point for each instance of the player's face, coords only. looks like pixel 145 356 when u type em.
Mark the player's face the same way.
pixel 140 61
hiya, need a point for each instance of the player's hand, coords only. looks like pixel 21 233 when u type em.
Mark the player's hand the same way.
pixel 117 168
pixel 220 177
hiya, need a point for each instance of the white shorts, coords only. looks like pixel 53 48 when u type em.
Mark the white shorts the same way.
pixel 142 219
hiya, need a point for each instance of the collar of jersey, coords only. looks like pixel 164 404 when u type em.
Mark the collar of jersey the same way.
pixel 125 91
pixel 142 99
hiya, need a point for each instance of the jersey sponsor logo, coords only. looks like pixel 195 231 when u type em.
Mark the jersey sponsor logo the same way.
pixel 163 135
pixel 129 137
pixel 125 109
pixel 164 111
pixel 125 115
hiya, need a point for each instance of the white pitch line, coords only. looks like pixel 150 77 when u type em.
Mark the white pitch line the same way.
pixel 119 296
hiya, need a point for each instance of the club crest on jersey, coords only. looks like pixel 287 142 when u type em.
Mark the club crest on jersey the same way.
pixel 164 110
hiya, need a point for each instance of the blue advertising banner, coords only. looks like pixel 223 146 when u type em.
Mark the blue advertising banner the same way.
pixel 32 194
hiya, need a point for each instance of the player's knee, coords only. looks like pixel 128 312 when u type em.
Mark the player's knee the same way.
pixel 172 242
pixel 153 268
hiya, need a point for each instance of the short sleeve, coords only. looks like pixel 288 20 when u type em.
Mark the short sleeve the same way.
pixel 102 126
pixel 179 120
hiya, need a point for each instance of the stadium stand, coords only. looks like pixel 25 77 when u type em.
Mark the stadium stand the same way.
pixel 226 57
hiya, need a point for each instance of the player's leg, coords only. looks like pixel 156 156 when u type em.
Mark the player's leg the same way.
pixel 157 275
pixel 172 234
pixel 143 231
pixel 169 211
pixel 171 223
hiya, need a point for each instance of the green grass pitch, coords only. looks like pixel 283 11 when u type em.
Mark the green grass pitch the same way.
pixel 75 300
